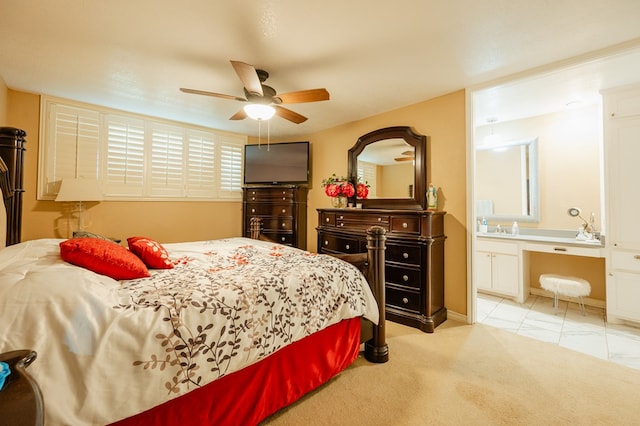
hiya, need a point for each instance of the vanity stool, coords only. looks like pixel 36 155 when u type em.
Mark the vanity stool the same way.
pixel 566 286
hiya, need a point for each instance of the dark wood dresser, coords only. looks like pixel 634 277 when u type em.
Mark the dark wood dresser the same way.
pixel 414 272
pixel 282 210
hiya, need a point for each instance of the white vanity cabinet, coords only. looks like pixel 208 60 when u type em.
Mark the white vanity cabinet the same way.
pixel 622 174
pixel 497 268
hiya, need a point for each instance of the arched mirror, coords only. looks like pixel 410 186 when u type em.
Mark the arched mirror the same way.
pixel 393 161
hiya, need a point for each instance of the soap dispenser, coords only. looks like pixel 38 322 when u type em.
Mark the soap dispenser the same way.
pixel 514 229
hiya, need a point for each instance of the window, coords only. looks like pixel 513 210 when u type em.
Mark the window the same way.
pixel 136 157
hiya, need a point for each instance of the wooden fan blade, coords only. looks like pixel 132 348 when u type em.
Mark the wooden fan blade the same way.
pixel 240 115
pixel 215 95
pixel 313 95
pixel 249 77
pixel 408 153
pixel 287 114
pixel 403 159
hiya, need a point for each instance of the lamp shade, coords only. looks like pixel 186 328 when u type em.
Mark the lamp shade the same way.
pixel 259 111
pixel 72 189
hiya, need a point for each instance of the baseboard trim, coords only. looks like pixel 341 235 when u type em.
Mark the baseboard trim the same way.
pixel 455 316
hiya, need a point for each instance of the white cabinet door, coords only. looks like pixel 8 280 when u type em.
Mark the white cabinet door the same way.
pixel 505 273
pixel 623 188
pixel 482 270
pixel 622 174
pixel 623 296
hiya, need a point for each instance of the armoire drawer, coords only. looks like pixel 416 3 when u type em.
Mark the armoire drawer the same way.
pixel 269 194
pixel 403 299
pixel 267 209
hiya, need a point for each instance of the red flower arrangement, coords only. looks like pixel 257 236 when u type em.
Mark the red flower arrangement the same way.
pixel 339 186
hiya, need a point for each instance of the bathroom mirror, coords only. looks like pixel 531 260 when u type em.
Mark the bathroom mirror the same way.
pixel 507 181
pixel 393 161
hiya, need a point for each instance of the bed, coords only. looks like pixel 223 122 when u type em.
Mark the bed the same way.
pixel 229 333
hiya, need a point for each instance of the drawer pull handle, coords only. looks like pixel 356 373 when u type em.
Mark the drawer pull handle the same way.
pixel 379 219
pixel 347 247
pixel 559 249
pixel 283 198
pixel 637 256
pixel 283 239
pixel 405 225
pixel 253 210
pixel 253 199
pixel 342 224
pixel 405 278
pixel 284 225
pixel 284 211
pixel 405 255
pixel 327 220
pixel 341 217
pixel 326 243
pixel 405 300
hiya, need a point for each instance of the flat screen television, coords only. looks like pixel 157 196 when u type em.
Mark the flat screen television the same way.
pixel 277 163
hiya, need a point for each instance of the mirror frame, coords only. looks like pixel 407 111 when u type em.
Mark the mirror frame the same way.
pixel 534 195
pixel 419 143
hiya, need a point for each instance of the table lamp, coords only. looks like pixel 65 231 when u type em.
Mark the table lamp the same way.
pixel 79 190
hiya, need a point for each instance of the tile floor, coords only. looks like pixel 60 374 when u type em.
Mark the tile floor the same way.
pixel 589 334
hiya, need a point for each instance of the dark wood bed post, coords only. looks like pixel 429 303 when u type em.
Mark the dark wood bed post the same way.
pixel 376 349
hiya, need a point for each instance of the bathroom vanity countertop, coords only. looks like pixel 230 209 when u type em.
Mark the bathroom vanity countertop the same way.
pixel 551 236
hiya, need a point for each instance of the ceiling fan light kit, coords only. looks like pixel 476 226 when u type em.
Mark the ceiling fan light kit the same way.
pixel 264 103
pixel 259 111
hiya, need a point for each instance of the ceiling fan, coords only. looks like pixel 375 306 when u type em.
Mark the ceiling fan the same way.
pixel 406 156
pixel 256 92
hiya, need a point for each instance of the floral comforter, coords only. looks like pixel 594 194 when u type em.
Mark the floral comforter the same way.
pixel 109 349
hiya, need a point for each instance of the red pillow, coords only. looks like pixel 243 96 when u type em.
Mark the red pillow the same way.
pixel 103 257
pixel 151 252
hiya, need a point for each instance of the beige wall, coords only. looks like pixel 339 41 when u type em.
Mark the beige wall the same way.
pixel 442 119
pixel 3 103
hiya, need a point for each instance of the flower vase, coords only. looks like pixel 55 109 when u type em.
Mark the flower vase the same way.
pixel 339 202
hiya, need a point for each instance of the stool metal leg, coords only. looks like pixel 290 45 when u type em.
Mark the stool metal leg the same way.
pixel 581 303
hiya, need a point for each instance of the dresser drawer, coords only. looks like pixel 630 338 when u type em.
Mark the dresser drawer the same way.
pixel 269 209
pixel 403 254
pixel 340 244
pixel 403 299
pixel 361 221
pixel 405 224
pixel 409 277
pixel 625 260
pixel 327 219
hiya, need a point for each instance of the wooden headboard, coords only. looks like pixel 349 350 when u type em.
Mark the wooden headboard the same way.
pixel 12 150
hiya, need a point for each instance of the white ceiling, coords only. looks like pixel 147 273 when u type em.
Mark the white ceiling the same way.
pixel 371 56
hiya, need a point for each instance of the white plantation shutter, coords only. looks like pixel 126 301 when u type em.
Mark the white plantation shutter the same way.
pixel 136 157
pixel 201 164
pixel 124 159
pixel 72 149
pixel 231 152
pixel 166 161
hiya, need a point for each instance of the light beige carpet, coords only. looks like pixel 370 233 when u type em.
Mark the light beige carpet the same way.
pixel 472 375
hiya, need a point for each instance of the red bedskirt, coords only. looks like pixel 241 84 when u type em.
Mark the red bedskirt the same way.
pixel 250 395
